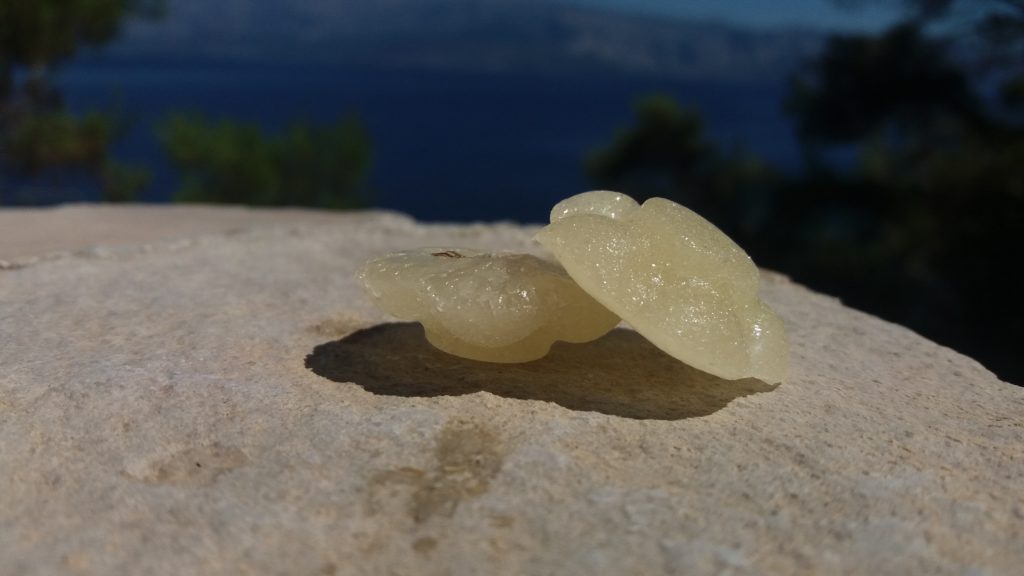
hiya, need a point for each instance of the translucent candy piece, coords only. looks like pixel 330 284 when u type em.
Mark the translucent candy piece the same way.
pixel 489 307
pixel 676 278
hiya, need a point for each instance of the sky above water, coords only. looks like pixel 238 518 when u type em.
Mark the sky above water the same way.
pixel 764 13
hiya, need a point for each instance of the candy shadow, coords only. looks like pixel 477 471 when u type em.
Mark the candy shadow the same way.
pixel 621 374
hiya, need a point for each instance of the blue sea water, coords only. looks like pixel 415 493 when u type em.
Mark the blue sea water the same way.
pixel 448 145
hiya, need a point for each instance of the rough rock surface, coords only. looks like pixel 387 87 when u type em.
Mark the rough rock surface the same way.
pixel 233 404
pixel 30 233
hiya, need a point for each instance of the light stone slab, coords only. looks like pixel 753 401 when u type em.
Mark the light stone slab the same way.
pixel 234 404
pixel 27 234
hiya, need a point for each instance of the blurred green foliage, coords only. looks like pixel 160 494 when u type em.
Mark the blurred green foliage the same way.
pixel 899 80
pixel 57 144
pixel 44 32
pixel 43 140
pixel 38 138
pixel 232 162
pixel 924 229
pixel 121 182
pixel 665 153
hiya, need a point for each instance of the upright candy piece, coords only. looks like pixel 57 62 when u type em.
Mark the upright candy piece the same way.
pixel 490 307
pixel 675 277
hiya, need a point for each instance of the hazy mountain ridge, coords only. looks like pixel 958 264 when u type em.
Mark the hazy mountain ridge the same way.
pixel 497 35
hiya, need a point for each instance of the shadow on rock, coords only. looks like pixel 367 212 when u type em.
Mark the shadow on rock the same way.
pixel 621 374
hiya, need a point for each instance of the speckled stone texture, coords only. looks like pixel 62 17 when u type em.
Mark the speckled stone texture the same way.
pixel 234 404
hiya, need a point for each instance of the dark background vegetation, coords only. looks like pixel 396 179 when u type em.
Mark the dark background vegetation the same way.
pixel 883 165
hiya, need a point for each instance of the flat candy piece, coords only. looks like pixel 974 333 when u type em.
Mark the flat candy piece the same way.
pixel 489 307
pixel 676 278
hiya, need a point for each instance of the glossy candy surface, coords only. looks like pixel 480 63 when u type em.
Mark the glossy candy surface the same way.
pixel 490 307
pixel 676 278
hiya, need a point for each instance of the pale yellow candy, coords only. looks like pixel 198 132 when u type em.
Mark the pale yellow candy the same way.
pixel 490 307
pixel 676 278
